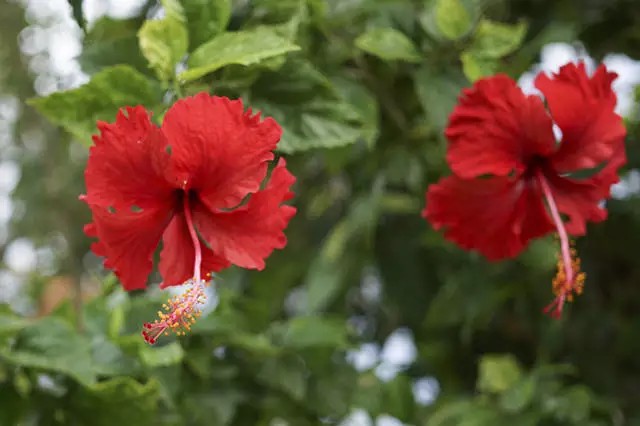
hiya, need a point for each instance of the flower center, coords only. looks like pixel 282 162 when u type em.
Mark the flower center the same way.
pixel 569 280
pixel 180 312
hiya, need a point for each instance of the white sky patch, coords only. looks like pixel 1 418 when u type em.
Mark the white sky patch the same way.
pixel 20 256
pixel 399 349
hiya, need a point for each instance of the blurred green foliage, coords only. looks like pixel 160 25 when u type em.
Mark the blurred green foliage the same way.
pixel 362 89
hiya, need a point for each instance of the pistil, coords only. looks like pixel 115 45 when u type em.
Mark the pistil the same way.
pixel 180 312
pixel 569 280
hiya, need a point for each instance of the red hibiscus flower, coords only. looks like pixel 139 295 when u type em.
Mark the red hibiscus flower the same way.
pixel 513 181
pixel 186 183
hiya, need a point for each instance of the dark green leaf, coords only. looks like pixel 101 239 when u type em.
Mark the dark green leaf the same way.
pixel 206 19
pixel 51 344
pixel 112 42
pixel 118 401
pixel 78 14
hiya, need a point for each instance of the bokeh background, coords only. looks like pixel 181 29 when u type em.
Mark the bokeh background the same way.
pixel 368 317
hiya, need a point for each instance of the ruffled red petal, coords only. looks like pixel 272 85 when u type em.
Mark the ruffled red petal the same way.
pixel 495 129
pixel 127 240
pixel 178 254
pixel 496 216
pixel 580 200
pixel 583 108
pixel 126 164
pixel 218 149
pixel 248 234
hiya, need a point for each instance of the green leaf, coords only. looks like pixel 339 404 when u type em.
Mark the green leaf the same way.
pixel 388 44
pixel 327 271
pixel 51 344
pixel 78 15
pixel 287 374
pixel 164 42
pixel 518 396
pixel 206 18
pixel 438 92
pixel 112 42
pixel 497 373
pixel 78 110
pixel 452 18
pixel 242 47
pixel 310 109
pixel 312 332
pixel 120 400
pixel 161 356
pixel 495 39
pixel 476 66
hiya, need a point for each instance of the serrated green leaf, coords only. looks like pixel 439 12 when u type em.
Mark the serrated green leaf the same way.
pixel 164 42
pixel 497 373
pixel 78 110
pixel 161 356
pixel 475 66
pixel 388 44
pixel 121 400
pixel 452 18
pixel 206 18
pixel 242 47
pixel 495 39
pixel 51 344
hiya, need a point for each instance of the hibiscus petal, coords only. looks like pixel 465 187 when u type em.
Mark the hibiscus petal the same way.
pixel 247 235
pixel 178 254
pixel 218 149
pixel 583 108
pixel 580 200
pixel 126 164
pixel 127 240
pixel 495 129
pixel 496 216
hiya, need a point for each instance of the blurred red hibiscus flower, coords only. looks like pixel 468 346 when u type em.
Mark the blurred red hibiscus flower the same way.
pixel 513 181
pixel 187 183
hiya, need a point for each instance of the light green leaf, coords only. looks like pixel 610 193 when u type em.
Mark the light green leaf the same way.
pixel 206 18
pixel 164 42
pixel 495 39
pixel 161 356
pixel 51 344
pixel 77 110
pixel 497 373
pixel 475 66
pixel 452 18
pixel 242 47
pixel 120 400
pixel 388 44
pixel 173 9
